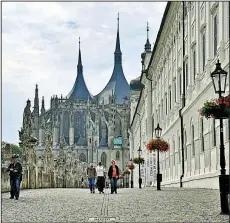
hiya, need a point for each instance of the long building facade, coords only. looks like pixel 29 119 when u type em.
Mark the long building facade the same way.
pixel 84 125
pixel 177 82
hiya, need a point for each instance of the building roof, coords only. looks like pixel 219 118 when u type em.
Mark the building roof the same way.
pixel 80 90
pixel 117 86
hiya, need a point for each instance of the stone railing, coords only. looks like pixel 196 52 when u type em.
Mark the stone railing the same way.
pixel 35 177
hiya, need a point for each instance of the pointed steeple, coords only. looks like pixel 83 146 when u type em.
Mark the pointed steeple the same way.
pixel 117 85
pixel 79 90
pixel 147 45
pixel 117 53
pixel 36 101
pixel 79 65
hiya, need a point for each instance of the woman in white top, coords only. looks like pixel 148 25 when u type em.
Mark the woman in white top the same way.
pixel 100 178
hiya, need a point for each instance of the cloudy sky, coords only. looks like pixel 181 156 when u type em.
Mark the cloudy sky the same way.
pixel 40 46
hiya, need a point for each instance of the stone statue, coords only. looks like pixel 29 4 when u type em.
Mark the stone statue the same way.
pixel 48 146
pixel 61 148
pixel 27 119
pixel 48 140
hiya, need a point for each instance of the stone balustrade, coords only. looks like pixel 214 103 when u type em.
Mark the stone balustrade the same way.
pixel 35 177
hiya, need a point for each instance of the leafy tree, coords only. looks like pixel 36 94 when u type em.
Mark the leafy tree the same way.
pixel 15 149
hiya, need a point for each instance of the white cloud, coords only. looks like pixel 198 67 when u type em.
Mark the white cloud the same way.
pixel 40 45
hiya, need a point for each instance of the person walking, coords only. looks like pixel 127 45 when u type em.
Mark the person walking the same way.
pixel 91 175
pixel 100 178
pixel 15 169
pixel 113 175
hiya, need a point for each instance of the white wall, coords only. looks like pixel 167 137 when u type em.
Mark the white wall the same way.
pixel 201 169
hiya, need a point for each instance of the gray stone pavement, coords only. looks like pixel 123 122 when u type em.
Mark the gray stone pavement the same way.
pixel 129 205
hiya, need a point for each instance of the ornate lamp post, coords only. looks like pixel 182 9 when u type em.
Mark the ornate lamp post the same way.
pixel 158 131
pixel 140 179
pixel 219 77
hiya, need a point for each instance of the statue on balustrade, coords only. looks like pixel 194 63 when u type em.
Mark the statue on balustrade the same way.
pixel 26 130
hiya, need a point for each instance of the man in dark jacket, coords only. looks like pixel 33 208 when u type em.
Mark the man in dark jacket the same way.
pixel 15 169
pixel 113 175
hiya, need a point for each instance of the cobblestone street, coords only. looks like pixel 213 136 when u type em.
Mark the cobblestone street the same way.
pixel 129 205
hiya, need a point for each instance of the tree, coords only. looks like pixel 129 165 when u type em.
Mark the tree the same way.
pixel 15 149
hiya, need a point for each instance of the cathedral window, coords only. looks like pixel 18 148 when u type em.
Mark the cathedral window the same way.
pixel 117 155
pixel 82 157
pixel 66 126
pixel 103 159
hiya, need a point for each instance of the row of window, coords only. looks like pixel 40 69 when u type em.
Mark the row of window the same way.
pixel 177 87
pixel 193 151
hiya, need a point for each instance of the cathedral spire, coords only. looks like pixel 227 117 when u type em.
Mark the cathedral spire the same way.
pixel 117 88
pixel 117 52
pixel 79 65
pixel 36 101
pixel 79 90
pixel 147 45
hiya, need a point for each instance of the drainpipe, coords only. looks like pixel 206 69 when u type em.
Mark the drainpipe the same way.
pixel 229 67
pixel 183 105
pixel 151 90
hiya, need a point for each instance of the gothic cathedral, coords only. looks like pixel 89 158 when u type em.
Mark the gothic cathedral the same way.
pixel 82 126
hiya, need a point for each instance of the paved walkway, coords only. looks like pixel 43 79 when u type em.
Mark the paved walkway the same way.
pixel 129 205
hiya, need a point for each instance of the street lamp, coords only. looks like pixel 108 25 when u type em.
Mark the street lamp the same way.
pixel 158 131
pixel 140 179
pixel 219 77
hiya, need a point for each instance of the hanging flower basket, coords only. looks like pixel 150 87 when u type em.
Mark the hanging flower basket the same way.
pixel 219 108
pixel 138 160
pixel 131 166
pixel 157 144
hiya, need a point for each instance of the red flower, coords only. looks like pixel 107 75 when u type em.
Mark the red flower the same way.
pixel 158 144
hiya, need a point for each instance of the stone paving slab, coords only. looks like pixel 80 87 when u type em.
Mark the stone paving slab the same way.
pixel 129 205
